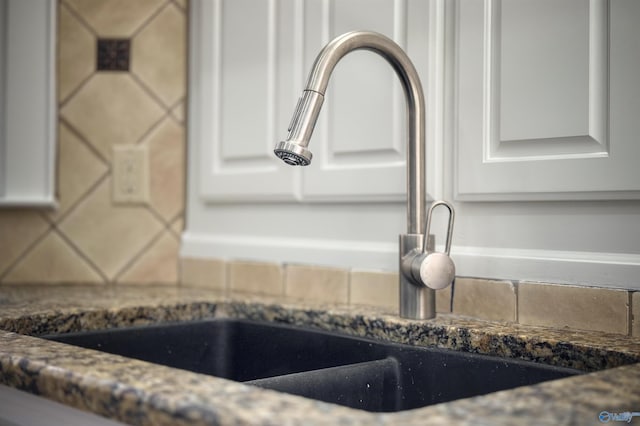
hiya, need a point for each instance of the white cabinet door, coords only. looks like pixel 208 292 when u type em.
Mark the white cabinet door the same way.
pixel 548 95
pixel 27 103
pixel 360 139
pixel 251 61
pixel 242 65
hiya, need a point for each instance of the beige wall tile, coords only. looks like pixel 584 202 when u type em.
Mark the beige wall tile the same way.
pixel 115 18
pixel 256 277
pixel 166 145
pixel 53 261
pixel 19 229
pixel 158 54
pixel 207 273
pixel 177 225
pixel 316 283
pixel 76 53
pixel 485 299
pixel 109 235
pixel 375 288
pixel 635 303
pixel 179 111
pixel 583 308
pixel 182 3
pixel 443 300
pixel 78 170
pixel 159 264
pixel 111 108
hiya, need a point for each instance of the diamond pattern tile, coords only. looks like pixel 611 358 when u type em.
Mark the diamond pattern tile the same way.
pixel 76 53
pixel 110 235
pixel 166 165
pixel 115 18
pixel 159 54
pixel 111 109
pixel 159 264
pixel 18 230
pixel 53 261
pixel 94 240
pixel 78 169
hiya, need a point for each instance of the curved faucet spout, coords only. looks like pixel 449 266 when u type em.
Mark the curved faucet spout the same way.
pixel 416 300
pixel 294 150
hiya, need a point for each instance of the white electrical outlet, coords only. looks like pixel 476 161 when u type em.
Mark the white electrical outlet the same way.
pixel 130 174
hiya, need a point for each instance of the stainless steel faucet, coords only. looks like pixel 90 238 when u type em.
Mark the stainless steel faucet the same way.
pixel 417 301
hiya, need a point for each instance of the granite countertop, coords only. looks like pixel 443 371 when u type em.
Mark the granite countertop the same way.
pixel 140 393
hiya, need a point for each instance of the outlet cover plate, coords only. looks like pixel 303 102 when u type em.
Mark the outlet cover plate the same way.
pixel 130 174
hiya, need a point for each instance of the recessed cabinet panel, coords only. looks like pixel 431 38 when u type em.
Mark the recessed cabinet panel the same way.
pixel 541 61
pixel 242 72
pixel 247 55
pixel 539 111
pixel 360 142
pixel 360 99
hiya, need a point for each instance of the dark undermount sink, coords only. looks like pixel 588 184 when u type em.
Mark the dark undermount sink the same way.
pixel 351 371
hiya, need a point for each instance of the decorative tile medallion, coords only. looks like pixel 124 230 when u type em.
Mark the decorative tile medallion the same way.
pixel 113 54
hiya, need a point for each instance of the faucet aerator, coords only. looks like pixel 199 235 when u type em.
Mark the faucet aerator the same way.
pixel 293 154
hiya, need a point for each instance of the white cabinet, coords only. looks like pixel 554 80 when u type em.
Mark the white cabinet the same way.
pixel 27 103
pixel 545 98
pixel 547 104
pixel 257 56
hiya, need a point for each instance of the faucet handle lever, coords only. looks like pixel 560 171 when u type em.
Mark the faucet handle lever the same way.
pixel 452 216
pixel 437 270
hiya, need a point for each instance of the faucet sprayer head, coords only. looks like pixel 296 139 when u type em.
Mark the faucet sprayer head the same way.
pixel 294 151
pixel 293 154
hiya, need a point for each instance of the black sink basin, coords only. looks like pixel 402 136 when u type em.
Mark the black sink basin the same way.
pixel 356 372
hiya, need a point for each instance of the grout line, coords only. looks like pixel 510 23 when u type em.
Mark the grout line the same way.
pixel 80 18
pixel 25 252
pixel 81 199
pixel 80 253
pixel 451 297
pixel 149 18
pixel 179 6
pixel 178 102
pixel 63 102
pixel 154 126
pixel 85 141
pixel 150 91
pixel 45 216
pixel 174 220
pixel 516 289
pixel 165 224
pixel 137 256
pixel 174 106
pixel 630 313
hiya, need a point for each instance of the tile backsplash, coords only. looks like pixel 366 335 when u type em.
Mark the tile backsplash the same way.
pixel 537 304
pixel 89 238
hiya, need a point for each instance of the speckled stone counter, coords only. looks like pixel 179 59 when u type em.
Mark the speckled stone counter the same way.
pixel 140 393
